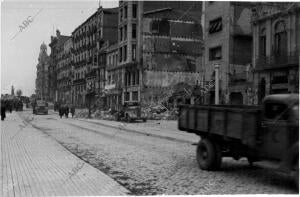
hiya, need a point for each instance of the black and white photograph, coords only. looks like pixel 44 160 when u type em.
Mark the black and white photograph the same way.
pixel 149 98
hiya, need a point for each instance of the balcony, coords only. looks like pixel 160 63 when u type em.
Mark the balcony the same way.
pixel 276 62
pixel 91 74
pixel 79 81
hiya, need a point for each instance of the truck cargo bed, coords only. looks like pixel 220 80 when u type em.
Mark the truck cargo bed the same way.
pixel 238 122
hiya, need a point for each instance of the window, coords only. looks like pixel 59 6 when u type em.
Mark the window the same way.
pixel 164 27
pixel 120 54
pixel 133 52
pixel 126 95
pixel 125 32
pixel 125 53
pixel 121 14
pixel 137 77
pixel 133 30
pixel 215 25
pixel 133 78
pixel 280 39
pixel 160 27
pixel 280 79
pixel 135 96
pixel 215 53
pixel 262 42
pixel 121 34
pixel 109 79
pixel 134 10
pixel 276 111
pixel 154 26
pixel 125 12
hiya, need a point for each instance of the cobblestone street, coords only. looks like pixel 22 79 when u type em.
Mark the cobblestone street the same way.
pixel 149 165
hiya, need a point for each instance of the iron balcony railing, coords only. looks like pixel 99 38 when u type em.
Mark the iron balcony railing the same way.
pixel 276 61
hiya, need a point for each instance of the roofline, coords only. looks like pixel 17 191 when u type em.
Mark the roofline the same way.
pixel 105 10
pixel 158 10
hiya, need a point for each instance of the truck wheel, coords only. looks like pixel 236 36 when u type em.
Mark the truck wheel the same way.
pixel 209 155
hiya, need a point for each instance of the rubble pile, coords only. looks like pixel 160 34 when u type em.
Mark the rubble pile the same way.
pixel 81 113
pixel 159 112
pixel 105 115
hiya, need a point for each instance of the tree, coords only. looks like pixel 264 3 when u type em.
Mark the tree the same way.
pixel 19 93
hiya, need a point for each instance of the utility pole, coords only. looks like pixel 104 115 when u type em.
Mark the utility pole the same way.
pixel 217 66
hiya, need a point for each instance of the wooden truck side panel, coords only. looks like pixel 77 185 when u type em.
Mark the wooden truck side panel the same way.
pixel 230 123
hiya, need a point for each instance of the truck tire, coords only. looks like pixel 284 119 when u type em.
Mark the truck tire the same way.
pixel 209 155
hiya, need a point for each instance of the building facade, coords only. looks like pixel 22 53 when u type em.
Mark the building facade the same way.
pixel 276 49
pixel 42 80
pixel 64 71
pixel 228 43
pixel 56 46
pixel 147 48
pixel 113 79
pixel 88 38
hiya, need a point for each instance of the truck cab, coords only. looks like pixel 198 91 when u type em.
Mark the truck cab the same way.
pixel 279 125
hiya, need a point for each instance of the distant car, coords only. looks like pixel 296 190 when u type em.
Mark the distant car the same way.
pixel 131 112
pixel 41 107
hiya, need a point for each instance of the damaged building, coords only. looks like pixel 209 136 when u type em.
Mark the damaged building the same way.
pixel 159 50
pixel 228 44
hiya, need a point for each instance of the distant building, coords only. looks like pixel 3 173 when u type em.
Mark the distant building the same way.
pixel 56 45
pixel 42 80
pixel 228 43
pixel 64 71
pixel 12 91
pixel 113 79
pixel 276 49
pixel 88 38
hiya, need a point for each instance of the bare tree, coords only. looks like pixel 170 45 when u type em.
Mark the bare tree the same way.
pixel 19 93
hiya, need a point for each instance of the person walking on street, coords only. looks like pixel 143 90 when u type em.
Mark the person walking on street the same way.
pixel 3 109
pixel 72 110
pixel 60 111
pixel 66 111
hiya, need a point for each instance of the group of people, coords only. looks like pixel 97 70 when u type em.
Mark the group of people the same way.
pixel 9 105
pixel 64 110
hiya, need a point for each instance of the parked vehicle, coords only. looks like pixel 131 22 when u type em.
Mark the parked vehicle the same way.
pixel 269 132
pixel 40 107
pixel 131 112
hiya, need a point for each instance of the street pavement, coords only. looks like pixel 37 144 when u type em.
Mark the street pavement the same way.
pixel 148 163
pixel 35 164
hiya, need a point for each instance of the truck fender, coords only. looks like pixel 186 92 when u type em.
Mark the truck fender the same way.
pixel 292 156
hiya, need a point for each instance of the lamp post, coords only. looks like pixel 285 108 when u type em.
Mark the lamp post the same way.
pixel 217 66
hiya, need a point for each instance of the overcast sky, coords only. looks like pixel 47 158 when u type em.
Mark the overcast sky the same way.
pixel 20 50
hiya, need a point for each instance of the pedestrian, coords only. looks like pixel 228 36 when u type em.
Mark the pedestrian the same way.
pixel 66 111
pixel 3 109
pixel 60 111
pixel 72 110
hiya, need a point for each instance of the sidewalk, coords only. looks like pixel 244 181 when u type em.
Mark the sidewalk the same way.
pixel 33 164
pixel 159 128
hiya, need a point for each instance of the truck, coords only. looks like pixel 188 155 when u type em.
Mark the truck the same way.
pixel 40 107
pixel 269 132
